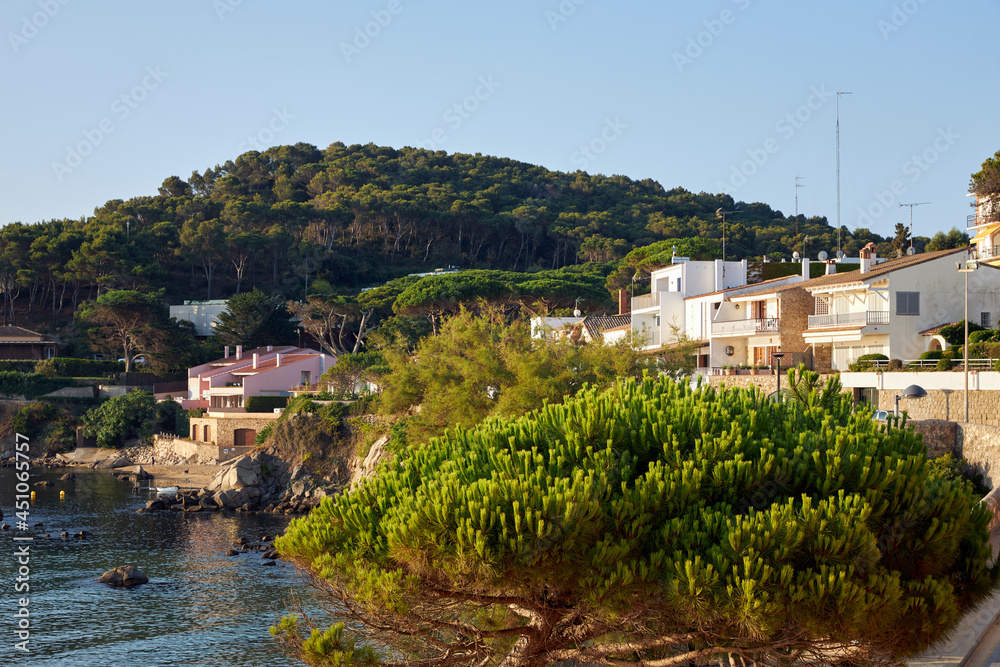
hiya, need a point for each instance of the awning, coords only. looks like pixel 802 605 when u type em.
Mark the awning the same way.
pixel 983 233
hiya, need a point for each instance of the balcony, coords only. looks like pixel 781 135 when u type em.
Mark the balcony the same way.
pixel 845 319
pixel 988 253
pixel 645 301
pixel 746 327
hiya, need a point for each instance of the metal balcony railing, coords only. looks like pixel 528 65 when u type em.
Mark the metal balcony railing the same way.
pixel 746 327
pixel 843 319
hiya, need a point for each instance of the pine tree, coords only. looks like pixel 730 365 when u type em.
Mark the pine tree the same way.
pixel 651 524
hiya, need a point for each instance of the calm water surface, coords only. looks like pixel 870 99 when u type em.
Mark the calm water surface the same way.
pixel 200 607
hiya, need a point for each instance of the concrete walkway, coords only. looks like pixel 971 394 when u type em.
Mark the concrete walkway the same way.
pixel 965 639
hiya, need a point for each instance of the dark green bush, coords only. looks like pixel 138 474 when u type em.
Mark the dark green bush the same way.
pixel 266 403
pixel 30 385
pixel 77 368
pixel 864 362
pixel 931 354
pixel 985 336
pixel 944 364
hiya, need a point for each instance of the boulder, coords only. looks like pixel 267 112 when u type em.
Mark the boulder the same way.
pixel 156 504
pixel 125 576
pixel 232 552
pixel 141 474
pixel 269 563
pixel 68 476
pixel 45 483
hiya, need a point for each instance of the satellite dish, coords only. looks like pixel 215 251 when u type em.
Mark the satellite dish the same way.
pixel 840 254
pixel 910 250
pixel 822 255
pixel 795 255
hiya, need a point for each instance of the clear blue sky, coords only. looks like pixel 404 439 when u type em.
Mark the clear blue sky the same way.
pixel 728 95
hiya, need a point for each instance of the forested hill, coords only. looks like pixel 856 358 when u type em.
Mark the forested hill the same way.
pixel 358 215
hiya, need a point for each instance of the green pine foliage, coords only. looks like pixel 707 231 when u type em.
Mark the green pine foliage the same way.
pixel 653 521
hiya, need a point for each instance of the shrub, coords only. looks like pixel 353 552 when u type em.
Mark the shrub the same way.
pixel 121 417
pixel 30 385
pixel 944 364
pixel 895 364
pixel 955 333
pixel 985 336
pixel 931 354
pixel 266 403
pixel 262 434
pixel 864 362
pixel 76 368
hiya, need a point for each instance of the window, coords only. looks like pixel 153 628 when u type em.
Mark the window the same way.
pixel 985 320
pixel 907 303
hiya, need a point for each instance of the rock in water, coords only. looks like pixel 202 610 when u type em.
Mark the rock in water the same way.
pixel 68 476
pixel 124 575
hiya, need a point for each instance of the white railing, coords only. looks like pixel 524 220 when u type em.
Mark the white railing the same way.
pixel 931 364
pixel 645 301
pixel 841 319
pixel 746 327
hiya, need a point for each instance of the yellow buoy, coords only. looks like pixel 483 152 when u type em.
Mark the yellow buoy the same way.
pixel 62 495
pixel 32 495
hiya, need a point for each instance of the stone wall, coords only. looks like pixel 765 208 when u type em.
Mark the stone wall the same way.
pixel 766 383
pixel 980 446
pixel 796 305
pixel 222 429
pixel 947 404
pixel 822 358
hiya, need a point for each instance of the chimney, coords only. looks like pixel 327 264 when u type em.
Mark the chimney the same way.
pixel 805 268
pixel 279 360
pixel 270 347
pixel 831 267
pixel 868 257
pixel 255 360
pixel 226 355
pixel 623 304
pixel 239 352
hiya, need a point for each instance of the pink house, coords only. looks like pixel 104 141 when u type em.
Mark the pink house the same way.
pixel 223 385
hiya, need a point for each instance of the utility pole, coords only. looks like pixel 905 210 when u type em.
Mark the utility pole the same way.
pixel 797 186
pixel 919 203
pixel 839 93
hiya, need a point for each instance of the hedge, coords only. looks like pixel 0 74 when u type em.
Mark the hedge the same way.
pixel 72 367
pixel 30 385
pixel 265 403
pixel 73 400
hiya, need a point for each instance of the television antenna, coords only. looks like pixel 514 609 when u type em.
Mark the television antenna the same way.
pixel 919 203
pixel 797 186
pixel 839 93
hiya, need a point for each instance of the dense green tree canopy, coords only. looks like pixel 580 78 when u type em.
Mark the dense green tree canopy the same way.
pixel 651 524
pixel 364 214
pixel 126 322
pixel 253 319
pixel 121 417
pixel 480 365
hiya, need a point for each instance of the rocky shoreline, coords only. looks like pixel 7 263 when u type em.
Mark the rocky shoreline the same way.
pixel 258 482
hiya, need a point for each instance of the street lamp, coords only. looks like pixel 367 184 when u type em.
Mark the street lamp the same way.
pixel 913 391
pixel 970 266
pixel 777 358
